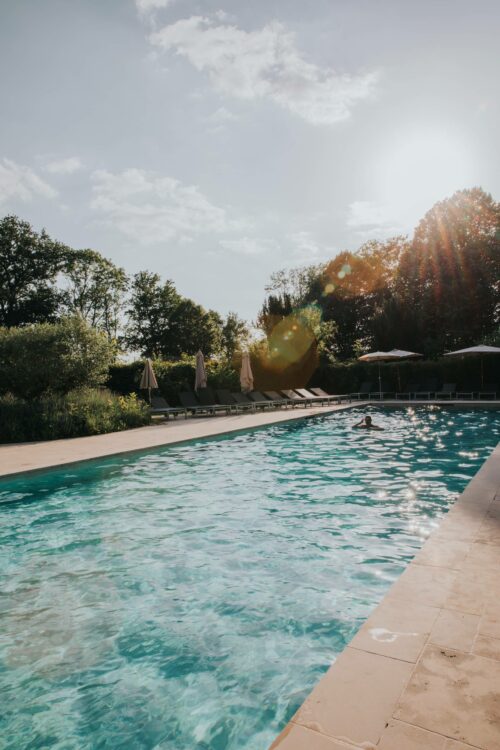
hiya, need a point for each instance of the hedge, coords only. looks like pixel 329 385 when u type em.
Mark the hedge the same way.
pixel 81 412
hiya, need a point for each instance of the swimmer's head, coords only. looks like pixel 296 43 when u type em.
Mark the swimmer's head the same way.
pixel 368 420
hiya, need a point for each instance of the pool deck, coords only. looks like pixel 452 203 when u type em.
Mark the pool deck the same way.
pixel 423 673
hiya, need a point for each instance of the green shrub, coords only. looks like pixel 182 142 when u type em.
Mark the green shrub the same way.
pixel 53 358
pixel 80 412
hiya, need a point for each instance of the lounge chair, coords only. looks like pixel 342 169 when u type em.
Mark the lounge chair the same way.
pixel 466 391
pixel 409 391
pixel 191 404
pixel 490 391
pixel 260 400
pixel 242 399
pixel 276 398
pixel 382 392
pixel 447 391
pixel 160 407
pixel 295 398
pixel 364 390
pixel 225 398
pixel 313 397
pixel 329 396
pixel 206 397
pixel 428 389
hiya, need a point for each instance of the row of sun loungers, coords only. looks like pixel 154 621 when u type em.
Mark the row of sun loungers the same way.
pixel 427 390
pixel 208 402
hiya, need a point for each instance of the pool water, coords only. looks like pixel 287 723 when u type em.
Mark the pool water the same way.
pixel 190 598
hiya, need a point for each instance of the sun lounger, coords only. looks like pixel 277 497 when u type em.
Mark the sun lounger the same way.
pixel 313 397
pixel 465 392
pixel 206 397
pixel 427 390
pixel 447 391
pixel 487 391
pixel 296 399
pixel 160 407
pixel 260 400
pixel 276 398
pixel 242 398
pixel 382 392
pixel 225 398
pixel 329 396
pixel 191 404
pixel 364 390
pixel 409 391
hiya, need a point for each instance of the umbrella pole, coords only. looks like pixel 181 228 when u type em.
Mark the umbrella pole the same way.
pixel 482 372
pixel 399 378
pixel 379 383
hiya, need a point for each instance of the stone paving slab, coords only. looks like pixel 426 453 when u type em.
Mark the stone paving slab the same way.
pixel 423 673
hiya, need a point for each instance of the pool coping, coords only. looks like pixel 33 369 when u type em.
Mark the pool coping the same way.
pixel 423 672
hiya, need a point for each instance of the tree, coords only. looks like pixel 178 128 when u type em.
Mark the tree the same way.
pixel 29 265
pixel 151 309
pixel 53 357
pixel 95 288
pixel 192 329
pixel 449 279
pixel 234 335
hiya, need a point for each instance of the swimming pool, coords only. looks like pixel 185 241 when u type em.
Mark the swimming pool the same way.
pixel 191 597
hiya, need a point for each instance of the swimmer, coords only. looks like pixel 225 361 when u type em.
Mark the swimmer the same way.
pixel 366 424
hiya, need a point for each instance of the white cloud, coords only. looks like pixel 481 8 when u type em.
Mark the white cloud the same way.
pixel 145 7
pixel 149 208
pixel 64 166
pixel 368 217
pixel 265 64
pixel 306 249
pixel 221 117
pixel 22 183
pixel 250 245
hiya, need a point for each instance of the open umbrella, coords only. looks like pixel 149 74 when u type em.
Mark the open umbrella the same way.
pixel 148 378
pixel 403 354
pixel 200 380
pixel 379 357
pixel 480 351
pixel 246 375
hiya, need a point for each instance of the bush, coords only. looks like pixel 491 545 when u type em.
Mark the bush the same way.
pixel 53 358
pixel 80 412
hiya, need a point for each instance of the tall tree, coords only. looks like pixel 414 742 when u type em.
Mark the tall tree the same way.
pixel 29 265
pixel 95 288
pixel 150 313
pixel 449 279
pixel 235 335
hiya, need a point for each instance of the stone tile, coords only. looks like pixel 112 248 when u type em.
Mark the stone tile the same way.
pixel 454 694
pixel 295 737
pixel 453 745
pixel 399 736
pixel 482 557
pixel 455 630
pixel 424 584
pixel 471 590
pixel 489 532
pixel 443 553
pixel 488 647
pixel 397 629
pixel 356 697
pixel 490 621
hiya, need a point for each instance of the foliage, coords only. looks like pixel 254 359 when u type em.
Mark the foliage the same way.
pixel 437 292
pixel 166 325
pixel 94 288
pixel 29 264
pixel 80 412
pixel 235 336
pixel 53 357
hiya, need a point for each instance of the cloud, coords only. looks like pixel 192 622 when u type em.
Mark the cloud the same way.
pixel 306 249
pixel 250 245
pixel 368 217
pixel 145 7
pixel 221 117
pixel 64 166
pixel 22 183
pixel 265 64
pixel 149 208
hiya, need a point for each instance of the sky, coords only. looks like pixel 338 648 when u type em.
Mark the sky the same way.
pixel 216 142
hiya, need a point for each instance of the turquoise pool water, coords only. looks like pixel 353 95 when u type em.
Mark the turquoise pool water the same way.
pixel 191 597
